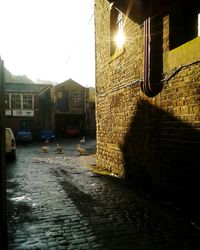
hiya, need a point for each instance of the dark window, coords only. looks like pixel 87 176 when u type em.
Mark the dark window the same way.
pixel 183 25
pixel 62 101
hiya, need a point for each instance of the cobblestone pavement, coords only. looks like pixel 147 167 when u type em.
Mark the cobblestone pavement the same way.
pixel 56 202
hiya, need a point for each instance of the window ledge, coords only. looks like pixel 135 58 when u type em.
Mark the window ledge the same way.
pixel 184 54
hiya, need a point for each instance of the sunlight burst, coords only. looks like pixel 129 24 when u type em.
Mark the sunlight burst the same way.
pixel 120 39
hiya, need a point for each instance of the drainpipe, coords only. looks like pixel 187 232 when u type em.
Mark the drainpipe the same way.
pixel 86 109
pixel 152 84
pixel 41 92
pixel 146 86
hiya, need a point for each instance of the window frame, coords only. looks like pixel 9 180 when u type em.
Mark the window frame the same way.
pixel 20 104
pixel 30 106
pixel 116 25
pixel 13 101
pixel 76 99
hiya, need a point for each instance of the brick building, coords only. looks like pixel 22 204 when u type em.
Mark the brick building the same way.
pixel 72 107
pixel 25 106
pixel 148 93
pixel 43 106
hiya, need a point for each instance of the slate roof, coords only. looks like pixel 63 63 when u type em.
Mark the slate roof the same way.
pixel 69 82
pixel 24 87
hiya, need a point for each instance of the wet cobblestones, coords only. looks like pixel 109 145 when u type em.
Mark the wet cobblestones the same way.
pixel 54 202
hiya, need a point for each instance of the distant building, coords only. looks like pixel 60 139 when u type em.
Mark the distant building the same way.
pixel 70 107
pixel 43 106
pixel 27 106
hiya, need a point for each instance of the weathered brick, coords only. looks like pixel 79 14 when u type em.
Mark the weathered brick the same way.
pixel 135 122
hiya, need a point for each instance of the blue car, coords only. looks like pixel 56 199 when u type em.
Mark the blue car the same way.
pixel 47 134
pixel 24 136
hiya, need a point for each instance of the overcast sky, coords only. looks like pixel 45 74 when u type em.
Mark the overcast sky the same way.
pixel 49 39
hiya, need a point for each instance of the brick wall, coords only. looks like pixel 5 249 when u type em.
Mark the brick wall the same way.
pixel 153 141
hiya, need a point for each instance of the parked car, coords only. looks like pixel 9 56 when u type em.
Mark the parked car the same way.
pixel 10 144
pixel 72 130
pixel 47 134
pixel 24 136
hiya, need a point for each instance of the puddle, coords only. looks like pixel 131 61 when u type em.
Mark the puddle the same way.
pixel 21 198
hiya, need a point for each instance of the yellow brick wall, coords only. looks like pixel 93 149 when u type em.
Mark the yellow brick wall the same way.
pixel 152 140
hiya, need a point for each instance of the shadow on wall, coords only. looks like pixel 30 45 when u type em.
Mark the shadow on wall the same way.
pixel 162 153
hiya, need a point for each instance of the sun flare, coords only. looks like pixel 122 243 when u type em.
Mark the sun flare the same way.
pixel 120 39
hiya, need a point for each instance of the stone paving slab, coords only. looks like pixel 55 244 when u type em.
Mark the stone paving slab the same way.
pixel 55 202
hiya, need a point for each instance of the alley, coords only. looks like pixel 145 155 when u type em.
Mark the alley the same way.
pixel 56 202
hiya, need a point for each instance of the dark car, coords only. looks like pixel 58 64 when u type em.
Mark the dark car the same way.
pixel 47 134
pixel 24 136
pixel 72 130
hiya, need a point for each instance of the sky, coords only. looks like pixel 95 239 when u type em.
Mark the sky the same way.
pixel 49 39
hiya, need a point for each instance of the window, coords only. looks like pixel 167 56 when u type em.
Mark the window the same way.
pixel 76 99
pixel 16 101
pixel 183 25
pixel 62 101
pixel 116 30
pixel 27 102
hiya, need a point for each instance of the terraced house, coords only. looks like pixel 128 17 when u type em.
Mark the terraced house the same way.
pixel 42 106
pixel 148 93
pixel 25 106
pixel 73 108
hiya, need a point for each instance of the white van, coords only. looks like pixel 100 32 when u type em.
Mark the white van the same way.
pixel 10 144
